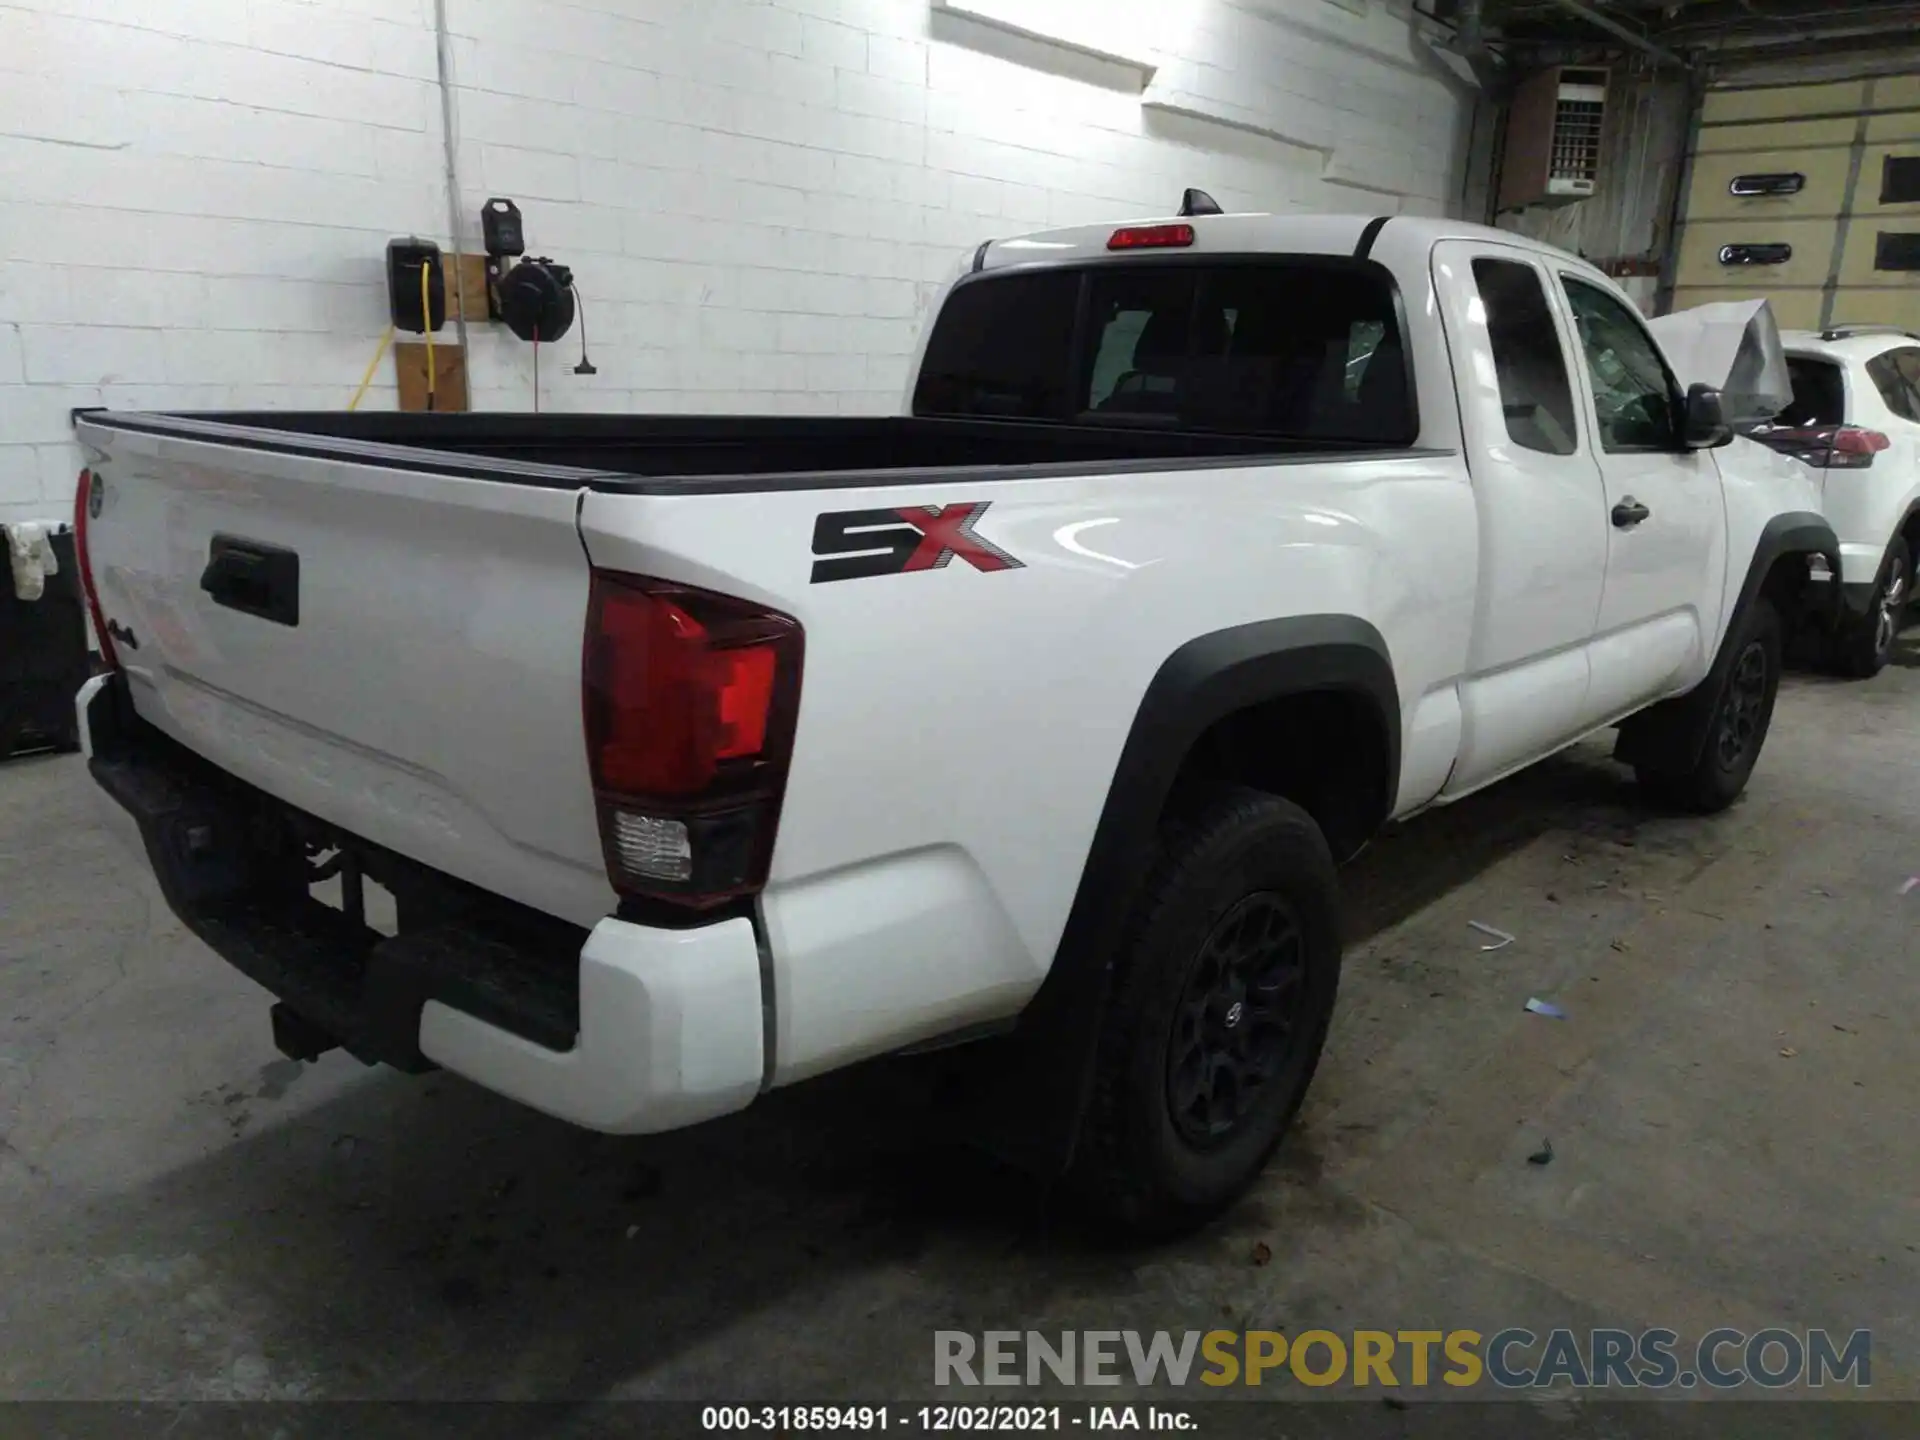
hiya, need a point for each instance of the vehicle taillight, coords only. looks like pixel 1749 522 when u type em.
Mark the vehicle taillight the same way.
pixel 82 507
pixel 1151 237
pixel 1855 447
pixel 1825 447
pixel 690 703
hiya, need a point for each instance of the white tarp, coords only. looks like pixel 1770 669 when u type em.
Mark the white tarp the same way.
pixel 30 549
pixel 1734 346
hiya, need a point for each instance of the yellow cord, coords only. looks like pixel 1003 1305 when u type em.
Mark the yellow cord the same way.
pixel 426 321
pixel 372 365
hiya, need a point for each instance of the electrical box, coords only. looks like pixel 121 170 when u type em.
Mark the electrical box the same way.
pixel 416 285
pixel 1554 125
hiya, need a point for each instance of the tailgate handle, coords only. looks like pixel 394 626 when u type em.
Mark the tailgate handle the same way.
pixel 254 578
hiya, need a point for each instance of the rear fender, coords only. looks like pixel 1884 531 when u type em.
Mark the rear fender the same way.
pixel 1030 1109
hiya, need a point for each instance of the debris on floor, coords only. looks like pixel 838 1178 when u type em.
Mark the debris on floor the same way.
pixel 1542 1156
pixel 1546 1008
pixel 1262 1252
pixel 1502 938
pixel 1787 1052
pixel 1912 883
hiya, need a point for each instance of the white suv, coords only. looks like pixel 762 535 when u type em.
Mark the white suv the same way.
pixel 1855 417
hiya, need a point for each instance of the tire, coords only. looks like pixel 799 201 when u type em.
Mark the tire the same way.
pixel 1866 644
pixel 1236 925
pixel 1742 714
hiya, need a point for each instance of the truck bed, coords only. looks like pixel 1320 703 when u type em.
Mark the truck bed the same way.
pixel 377 618
pixel 666 454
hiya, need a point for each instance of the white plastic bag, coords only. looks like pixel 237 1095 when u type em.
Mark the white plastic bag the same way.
pixel 30 549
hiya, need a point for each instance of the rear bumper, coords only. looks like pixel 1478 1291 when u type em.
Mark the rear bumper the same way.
pixel 624 1028
pixel 1860 574
pixel 671 1033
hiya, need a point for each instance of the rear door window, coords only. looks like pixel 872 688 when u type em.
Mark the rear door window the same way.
pixel 1528 358
pixel 1906 364
pixel 1304 348
pixel 1896 375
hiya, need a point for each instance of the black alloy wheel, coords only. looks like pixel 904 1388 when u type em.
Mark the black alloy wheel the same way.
pixel 1221 996
pixel 1743 709
pixel 1706 773
pixel 1236 1018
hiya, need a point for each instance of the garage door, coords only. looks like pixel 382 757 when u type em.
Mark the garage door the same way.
pixel 1808 195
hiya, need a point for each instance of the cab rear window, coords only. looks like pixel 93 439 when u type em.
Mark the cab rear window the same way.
pixel 1306 347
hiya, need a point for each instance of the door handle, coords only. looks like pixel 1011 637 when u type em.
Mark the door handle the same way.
pixel 253 578
pixel 1629 513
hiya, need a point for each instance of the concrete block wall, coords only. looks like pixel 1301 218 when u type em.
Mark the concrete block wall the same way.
pixel 195 197
pixel 760 199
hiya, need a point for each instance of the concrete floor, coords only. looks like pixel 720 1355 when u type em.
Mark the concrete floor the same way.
pixel 185 1215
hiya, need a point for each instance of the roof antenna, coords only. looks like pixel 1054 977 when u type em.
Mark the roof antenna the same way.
pixel 1199 202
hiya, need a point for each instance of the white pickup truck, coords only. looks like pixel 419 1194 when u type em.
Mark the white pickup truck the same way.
pixel 703 755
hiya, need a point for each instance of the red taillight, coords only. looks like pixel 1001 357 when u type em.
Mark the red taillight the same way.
pixel 1151 237
pixel 82 512
pixel 690 701
pixel 1825 447
pixel 1853 440
pixel 746 698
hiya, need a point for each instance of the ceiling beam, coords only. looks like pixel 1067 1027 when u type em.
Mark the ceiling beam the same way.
pixel 1621 32
pixel 1721 14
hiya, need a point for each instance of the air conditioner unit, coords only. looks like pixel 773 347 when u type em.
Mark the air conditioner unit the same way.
pixel 1553 137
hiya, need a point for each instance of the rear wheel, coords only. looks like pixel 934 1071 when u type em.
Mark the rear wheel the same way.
pixel 1220 1007
pixel 1742 714
pixel 1866 644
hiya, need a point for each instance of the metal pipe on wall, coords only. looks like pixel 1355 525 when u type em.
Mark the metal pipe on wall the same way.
pixel 443 59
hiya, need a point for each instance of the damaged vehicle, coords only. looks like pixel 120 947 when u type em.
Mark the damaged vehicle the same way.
pixel 1845 403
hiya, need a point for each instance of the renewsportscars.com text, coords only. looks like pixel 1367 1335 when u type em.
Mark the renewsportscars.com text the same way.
pixel 1509 1359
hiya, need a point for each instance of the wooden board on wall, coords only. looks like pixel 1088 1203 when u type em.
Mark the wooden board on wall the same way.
pixel 472 287
pixel 449 374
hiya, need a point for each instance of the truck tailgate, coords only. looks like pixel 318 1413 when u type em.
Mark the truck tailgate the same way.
pixel 394 651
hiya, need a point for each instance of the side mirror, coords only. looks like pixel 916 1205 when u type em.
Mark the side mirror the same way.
pixel 1703 425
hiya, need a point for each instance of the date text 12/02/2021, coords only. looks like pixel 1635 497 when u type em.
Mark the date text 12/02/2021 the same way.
pixel 942 1419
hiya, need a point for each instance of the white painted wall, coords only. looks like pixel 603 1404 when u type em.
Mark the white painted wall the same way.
pixel 758 197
